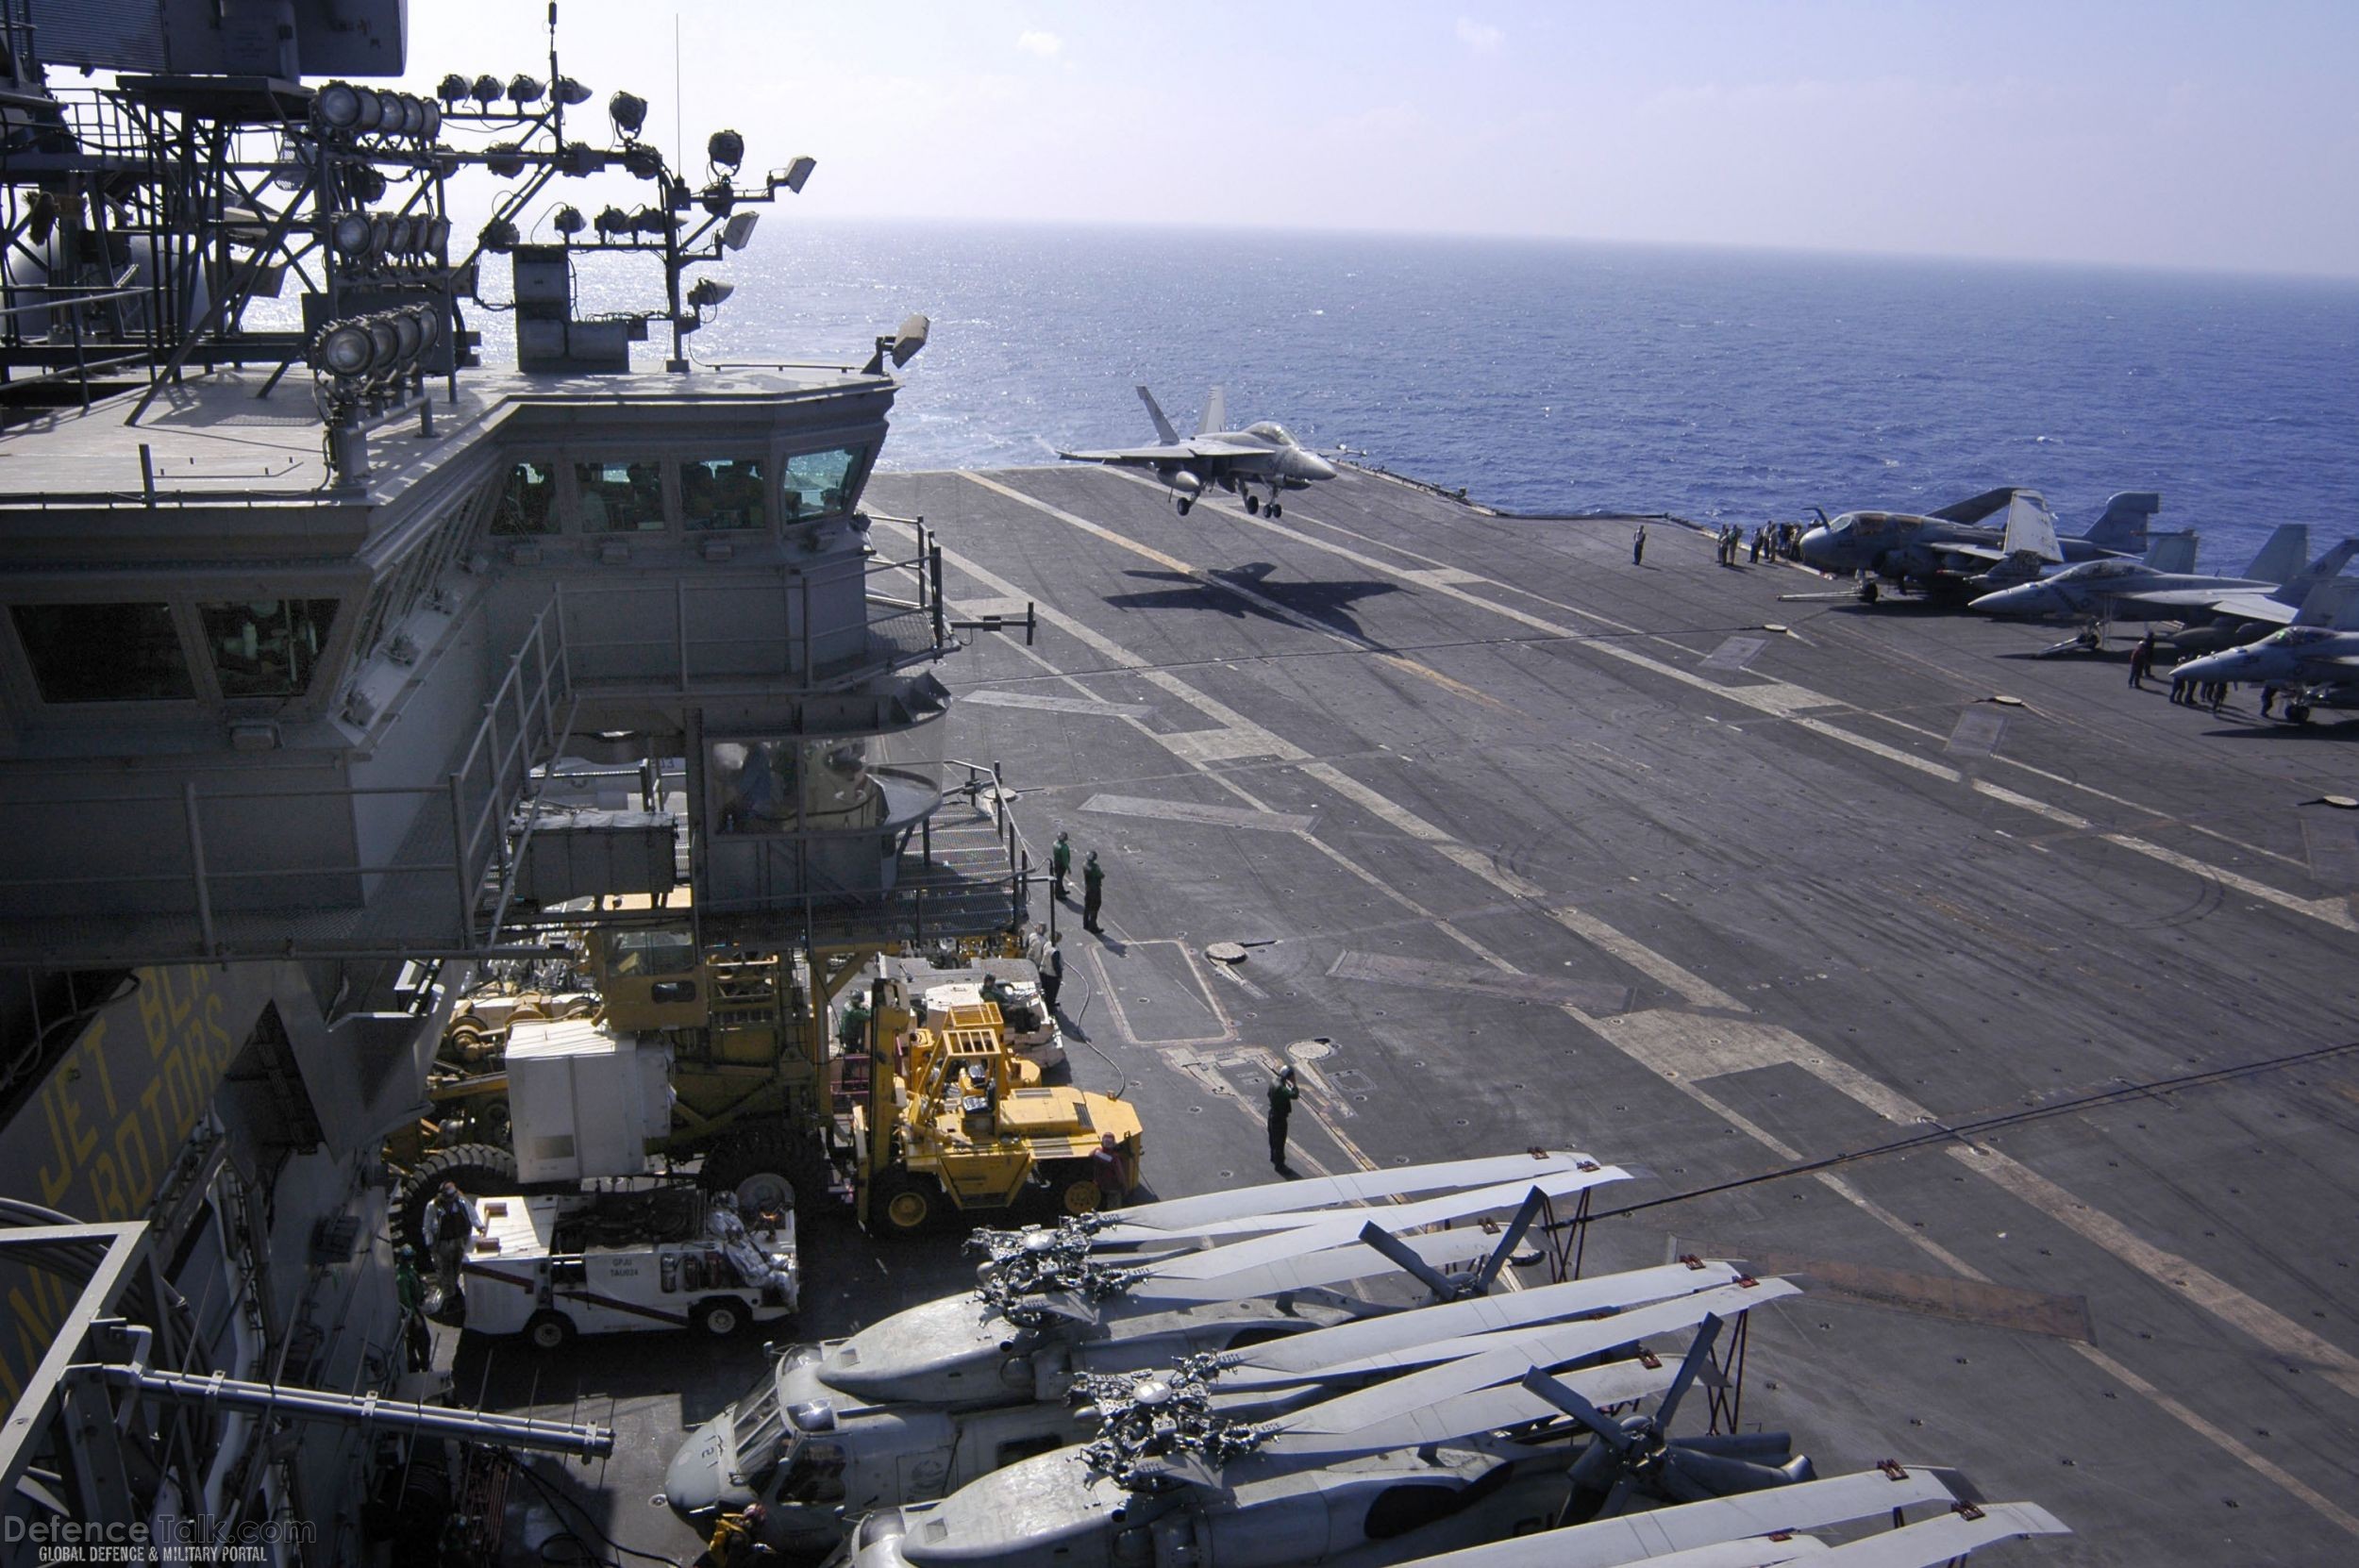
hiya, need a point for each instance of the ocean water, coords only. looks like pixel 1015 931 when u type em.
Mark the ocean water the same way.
pixel 1550 376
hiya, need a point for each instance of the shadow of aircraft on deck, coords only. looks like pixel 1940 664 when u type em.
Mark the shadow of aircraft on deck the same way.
pixel 1329 603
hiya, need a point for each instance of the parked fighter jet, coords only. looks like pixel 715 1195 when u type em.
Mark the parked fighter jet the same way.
pixel 930 1397
pixel 2272 591
pixel 1235 460
pixel 2321 663
pixel 1956 540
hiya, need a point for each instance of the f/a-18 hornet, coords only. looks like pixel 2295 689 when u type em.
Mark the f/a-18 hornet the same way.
pixel 2320 664
pixel 1959 540
pixel 1235 460
pixel 2272 591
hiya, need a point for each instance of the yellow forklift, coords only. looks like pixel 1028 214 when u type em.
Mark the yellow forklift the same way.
pixel 955 1120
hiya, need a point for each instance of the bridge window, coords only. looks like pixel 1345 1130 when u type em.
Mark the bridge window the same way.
pixel 619 498
pixel 721 492
pixel 817 483
pixel 528 503
pixel 104 653
pixel 266 648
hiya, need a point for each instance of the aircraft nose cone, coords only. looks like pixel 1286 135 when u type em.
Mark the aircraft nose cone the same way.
pixel 1818 549
pixel 1314 466
pixel 2218 666
pixel 2029 599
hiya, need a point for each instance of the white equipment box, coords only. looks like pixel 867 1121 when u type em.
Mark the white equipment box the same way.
pixel 583 1100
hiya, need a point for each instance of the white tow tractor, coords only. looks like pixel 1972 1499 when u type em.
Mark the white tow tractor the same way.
pixel 614 1263
pixel 595 1243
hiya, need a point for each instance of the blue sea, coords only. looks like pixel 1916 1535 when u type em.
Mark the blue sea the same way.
pixel 1553 376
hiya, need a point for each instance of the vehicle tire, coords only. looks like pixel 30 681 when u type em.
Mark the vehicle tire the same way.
pixel 1276 509
pixel 1253 505
pixel 2299 712
pixel 476 1167
pixel 1071 1189
pixel 767 1167
pixel 548 1331
pixel 719 1315
pixel 1184 503
pixel 902 1204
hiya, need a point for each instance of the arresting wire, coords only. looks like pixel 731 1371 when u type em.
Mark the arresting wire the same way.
pixel 1943 1132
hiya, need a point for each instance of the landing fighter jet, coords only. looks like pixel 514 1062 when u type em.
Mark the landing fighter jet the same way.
pixel 1235 460
pixel 2272 591
pixel 1958 538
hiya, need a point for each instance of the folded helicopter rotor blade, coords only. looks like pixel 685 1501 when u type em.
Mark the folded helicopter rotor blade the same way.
pixel 1568 1399
pixel 1698 1354
pixel 1489 1273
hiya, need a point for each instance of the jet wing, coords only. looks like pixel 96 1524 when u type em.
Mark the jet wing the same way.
pixel 1975 507
pixel 1185 451
pixel 2244 604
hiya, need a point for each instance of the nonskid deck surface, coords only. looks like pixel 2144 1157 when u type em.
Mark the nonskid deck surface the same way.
pixel 1541 849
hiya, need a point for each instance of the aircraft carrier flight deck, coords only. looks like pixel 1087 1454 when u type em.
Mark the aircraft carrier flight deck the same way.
pixel 1717 873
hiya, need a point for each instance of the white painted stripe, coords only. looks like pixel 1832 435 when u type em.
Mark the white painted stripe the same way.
pixel 1045 703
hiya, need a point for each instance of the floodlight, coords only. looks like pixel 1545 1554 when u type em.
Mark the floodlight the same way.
pixel 409 336
pixel 726 149
pixel 337 105
pixel 909 338
pixel 454 88
pixel 342 349
pixel 629 111
pixel 643 161
pixel 709 292
pixel 579 159
pixel 613 221
pixel 488 90
pixel 524 89
pixel 348 232
pixel 739 230
pixel 569 221
pixel 436 235
pixel 384 343
pixel 504 159
pixel 404 115
pixel 371 110
pixel 718 198
pixel 570 92
pixel 652 220
pixel 793 175
pixel 499 236
pixel 381 234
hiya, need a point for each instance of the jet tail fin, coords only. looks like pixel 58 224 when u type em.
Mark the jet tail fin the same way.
pixel 2329 565
pixel 1164 432
pixel 2332 603
pixel 2030 527
pixel 1215 411
pixel 2283 556
pixel 2122 525
pixel 2173 551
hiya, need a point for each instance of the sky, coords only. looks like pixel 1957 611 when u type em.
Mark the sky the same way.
pixel 2146 132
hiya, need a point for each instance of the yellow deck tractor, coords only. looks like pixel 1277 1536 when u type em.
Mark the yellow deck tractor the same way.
pixel 954 1119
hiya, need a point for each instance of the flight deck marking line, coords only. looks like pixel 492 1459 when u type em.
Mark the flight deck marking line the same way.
pixel 1681 1050
pixel 1214 816
pixel 1291 616
pixel 1785 699
pixel 1045 703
